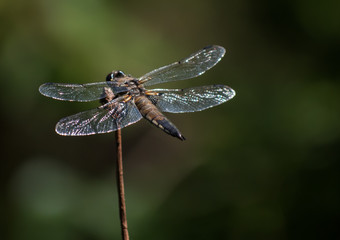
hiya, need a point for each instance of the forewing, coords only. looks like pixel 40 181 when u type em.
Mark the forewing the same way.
pixel 191 99
pixel 78 92
pixel 195 65
pixel 107 118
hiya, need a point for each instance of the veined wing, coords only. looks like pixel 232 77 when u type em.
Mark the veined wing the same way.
pixel 78 92
pixel 193 66
pixel 191 99
pixel 107 118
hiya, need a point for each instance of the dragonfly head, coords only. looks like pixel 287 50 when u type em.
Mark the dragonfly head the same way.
pixel 114 74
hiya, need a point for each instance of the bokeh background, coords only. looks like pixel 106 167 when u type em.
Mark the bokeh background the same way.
pixel 265 165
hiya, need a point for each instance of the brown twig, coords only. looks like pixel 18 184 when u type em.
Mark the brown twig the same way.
pixel 120 186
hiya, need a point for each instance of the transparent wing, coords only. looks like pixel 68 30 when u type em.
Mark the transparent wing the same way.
pixel 193 66
pixel 107 118
pixel 191 99
pixel 78 92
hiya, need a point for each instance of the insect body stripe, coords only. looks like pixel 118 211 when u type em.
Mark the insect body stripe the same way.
pixel 150 112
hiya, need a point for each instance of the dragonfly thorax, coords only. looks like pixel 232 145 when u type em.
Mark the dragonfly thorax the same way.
pixel 132 85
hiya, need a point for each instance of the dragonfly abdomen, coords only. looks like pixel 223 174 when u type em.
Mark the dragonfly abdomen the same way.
pixel 150 112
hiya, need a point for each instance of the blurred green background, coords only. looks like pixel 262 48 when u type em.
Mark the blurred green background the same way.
pixel 263 166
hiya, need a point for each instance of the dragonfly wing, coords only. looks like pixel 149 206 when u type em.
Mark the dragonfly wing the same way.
pixel 195 65
pixel 107 118
pixel 191 99
pixel 79 92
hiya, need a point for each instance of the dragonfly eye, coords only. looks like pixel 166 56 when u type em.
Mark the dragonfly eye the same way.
pixel 114 74
pixel 110 77
pixel 119 74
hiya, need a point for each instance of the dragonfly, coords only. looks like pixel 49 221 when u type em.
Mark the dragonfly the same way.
pixel 125 99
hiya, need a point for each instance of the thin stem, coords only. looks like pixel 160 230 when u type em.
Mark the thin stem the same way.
pixel 120 186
